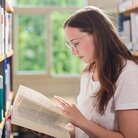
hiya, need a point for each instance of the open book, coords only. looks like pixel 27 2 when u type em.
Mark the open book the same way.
pixel 35 111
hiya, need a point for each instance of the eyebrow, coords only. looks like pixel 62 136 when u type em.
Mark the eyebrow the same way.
pixel 73 39
pixel 76 38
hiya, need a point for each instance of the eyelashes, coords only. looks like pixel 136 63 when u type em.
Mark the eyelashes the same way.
pixel 75 44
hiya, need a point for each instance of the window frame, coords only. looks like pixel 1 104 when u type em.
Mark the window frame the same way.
pixel 46 11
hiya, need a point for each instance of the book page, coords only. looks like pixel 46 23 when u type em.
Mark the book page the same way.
pixel 30 113
pixel 36 97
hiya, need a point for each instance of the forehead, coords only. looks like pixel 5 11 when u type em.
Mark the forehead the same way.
pixel 72 32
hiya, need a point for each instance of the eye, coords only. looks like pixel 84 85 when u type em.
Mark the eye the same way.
pixel 75 44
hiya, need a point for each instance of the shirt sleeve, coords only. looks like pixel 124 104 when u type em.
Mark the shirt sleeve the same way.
pixel 126 94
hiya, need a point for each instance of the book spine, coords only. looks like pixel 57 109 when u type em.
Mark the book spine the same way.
pixel 7 79
pixel 1 30
pixel 134 30
pixel 1 48
pixel 6 33
pixel 1 98
pixel 9 31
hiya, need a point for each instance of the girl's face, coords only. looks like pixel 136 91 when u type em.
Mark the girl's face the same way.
pixel 81 44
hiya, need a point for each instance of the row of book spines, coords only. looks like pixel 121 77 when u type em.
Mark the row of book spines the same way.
pixel 7 5
pixel 5 32
pixel 5 89
pixel 123 5
pixel 2 124
pixel 128 28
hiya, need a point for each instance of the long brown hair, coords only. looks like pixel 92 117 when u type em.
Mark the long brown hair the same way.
pixel 111 51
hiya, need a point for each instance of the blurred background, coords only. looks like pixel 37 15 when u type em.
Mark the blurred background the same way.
pixel 41 59
pixel 37 56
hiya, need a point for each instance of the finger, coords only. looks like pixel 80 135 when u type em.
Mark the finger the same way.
pixel 61 101
pixel 60 98
pixel 9 113
pixel 62 111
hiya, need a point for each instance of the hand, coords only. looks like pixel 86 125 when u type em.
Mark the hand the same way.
pixel 8 118
pixel 70 111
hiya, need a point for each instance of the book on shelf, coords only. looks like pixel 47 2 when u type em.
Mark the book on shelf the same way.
pixel 127 34
pixel 1 48
pixel 124 4
pixel 5 70
pixel 124 28
pixel 37 112
pixel 7 80
pixel 134 30
pixel 6 29
pixel 1 98
pixel 2 30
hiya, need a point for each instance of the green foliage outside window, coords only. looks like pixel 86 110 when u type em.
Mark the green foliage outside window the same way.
pixel 31 53
pixel 32 38
pixel 63 60
pixel 50 2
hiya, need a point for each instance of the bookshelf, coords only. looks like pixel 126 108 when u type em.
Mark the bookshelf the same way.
pixel 2 57
pixel 6 57
pixel 2 124
pixel 128 23
pixel 130 9
pixel 135 53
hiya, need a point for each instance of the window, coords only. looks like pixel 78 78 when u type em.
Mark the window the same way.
pixel 63 61
pixel 50 2
pixel 31 43
pixel 40 41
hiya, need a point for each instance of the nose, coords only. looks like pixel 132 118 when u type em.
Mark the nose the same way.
pixel 74 51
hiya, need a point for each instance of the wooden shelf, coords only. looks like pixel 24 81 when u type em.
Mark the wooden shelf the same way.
pixel 9 8
pixel 135 53
pixel 131 9
pixel 9 54
pixel 2 57
pixel 8 107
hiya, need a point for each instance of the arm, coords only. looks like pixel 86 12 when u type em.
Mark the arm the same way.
pixel 128 123
pixel 127 129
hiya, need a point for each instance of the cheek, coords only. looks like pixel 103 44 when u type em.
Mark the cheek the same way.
pixel 89 49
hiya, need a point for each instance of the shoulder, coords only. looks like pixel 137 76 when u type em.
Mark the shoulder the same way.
pixel 85 76
pixel 126 93
pixel 130 68
pixel 129 75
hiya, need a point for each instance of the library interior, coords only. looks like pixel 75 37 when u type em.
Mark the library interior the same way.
pixel 33 54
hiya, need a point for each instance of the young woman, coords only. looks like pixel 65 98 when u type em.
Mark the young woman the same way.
pixel 107 106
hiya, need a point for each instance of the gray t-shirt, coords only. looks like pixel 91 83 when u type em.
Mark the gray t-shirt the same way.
pixel 126 97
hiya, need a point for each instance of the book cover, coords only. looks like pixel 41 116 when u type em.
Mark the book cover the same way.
pixel 1 98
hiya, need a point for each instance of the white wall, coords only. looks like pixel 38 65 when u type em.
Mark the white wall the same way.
pixel 104 4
